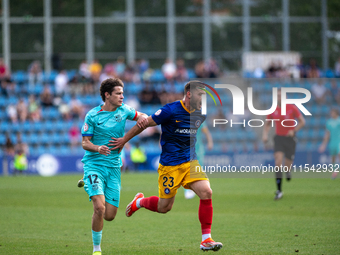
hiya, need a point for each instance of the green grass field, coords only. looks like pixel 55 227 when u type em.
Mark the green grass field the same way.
pixel 52 216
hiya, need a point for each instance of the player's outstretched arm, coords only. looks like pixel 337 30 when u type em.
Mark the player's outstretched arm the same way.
pixel 89 146
pixel 207 133
pixel 322 147
pixel 135 130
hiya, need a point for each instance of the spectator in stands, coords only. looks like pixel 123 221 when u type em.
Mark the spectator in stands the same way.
pixel 61 83
pixel 337 68
pixel 119 67
pixel 271 71
pixel 148 95
pixel 313 70
pixel 200 70
pixel 95 70
pixel 84 71
pixel 301 68
pixel 3 69
pixel 75 136
pixel 143 66
pixel 138 156
pixel 34 111
pixel 7 87
pixel 9 146
pixel 21 144
pixel 35 73
pixel 76 108
pixel 212 68
pixel 166 96
pixel 150 134
pixel 319 91
pixel 46 97
pixel 3 88
pixel 109 72
pixel 12 113
pixel 131 74
pixel 169 69
pixel 335 92
pixel 64 110
pixel 20 161
pixel 181 71
pixel 22 110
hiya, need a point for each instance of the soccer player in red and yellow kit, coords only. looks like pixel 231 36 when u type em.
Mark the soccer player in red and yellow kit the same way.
pixel 179 121
pixel 284 140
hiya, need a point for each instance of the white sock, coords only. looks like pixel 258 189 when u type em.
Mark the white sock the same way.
pixel 138 202
pixel 96 248
pixel 205 236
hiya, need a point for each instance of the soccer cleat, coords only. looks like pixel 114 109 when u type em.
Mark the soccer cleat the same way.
pixel 81 183
pixel 278 195
pixel 132 207
pixel 210 245
pixel 97 253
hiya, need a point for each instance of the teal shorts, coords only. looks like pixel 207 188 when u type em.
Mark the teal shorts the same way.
pixel 334 148
pixel 103 180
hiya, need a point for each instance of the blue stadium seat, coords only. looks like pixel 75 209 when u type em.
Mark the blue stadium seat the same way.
pixel 157 76
pixel 19 76
pixel 4 126
pixel 44 138
pixel 191 73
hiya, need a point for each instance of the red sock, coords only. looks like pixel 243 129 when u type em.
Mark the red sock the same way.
pixel 150 203
pixel 205 214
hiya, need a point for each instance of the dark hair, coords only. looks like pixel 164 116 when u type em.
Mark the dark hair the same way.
pixel 109 85
pixel 191 85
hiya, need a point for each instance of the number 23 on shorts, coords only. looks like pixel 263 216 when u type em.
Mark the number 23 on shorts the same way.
pixel 168 181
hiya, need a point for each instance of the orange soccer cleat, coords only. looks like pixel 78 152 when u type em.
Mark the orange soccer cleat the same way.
pixel 132 207
pixel 209 244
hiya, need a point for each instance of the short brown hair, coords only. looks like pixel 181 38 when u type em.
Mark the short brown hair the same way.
pixel 109 85
pixel 193 85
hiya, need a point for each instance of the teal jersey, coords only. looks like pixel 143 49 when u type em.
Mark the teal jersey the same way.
pixel 333 126
pixel 102 126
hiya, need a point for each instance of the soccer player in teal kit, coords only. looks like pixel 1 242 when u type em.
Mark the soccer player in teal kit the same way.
pixel 180 121
pixel 332 136
pixel 102 165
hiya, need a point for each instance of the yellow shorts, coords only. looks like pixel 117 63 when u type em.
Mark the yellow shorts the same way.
pixel 172 177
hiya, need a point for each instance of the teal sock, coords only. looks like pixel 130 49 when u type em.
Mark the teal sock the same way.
pixel 96 237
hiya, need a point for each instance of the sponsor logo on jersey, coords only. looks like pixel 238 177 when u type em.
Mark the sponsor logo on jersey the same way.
pixel 186 131
pixel 94 186
pixel 166 190
pixel 86 127
pixel 158 112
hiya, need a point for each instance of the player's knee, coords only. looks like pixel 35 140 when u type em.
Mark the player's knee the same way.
pixel 109 217
pixel 165 209
pixel 207 194
pixel 99 210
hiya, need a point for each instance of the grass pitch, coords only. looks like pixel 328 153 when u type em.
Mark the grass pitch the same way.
pixel 52 216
